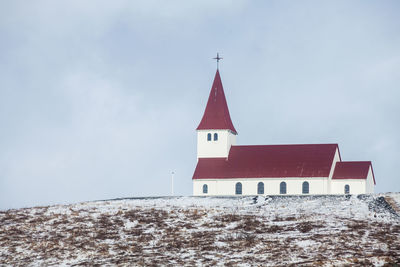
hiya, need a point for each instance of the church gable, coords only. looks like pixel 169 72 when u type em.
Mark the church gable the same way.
pixel 352 170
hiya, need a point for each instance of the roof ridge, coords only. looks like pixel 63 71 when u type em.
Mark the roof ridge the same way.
pixel 356 161
pixel 288 145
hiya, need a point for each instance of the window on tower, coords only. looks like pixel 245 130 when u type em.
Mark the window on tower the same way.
pixel 215 137
pixel 208 137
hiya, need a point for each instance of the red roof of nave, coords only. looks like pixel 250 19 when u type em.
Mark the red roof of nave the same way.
pixel 216 114
pixel 352 170
pixel 269 161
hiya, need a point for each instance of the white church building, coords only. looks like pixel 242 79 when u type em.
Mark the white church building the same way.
pixel 225 168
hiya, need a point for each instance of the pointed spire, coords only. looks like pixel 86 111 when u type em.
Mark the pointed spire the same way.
pixel 216 116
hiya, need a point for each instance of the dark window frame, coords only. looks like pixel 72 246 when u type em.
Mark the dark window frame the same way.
pixel 215 137
pixel 238 188
pixel 209 137
pixel 283 188
pixel 347 189
pixel 260 188
pixel 305 189
pixel 205 189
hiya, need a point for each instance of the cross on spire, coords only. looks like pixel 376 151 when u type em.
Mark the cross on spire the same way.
pixel 218 59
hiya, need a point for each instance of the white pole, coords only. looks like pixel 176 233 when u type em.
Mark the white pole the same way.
pixel 172 183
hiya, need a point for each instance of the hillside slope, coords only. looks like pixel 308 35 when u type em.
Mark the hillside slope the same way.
pixel 245 231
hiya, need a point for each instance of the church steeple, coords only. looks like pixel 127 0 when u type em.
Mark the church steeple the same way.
pixel 215 133
pixel 216 115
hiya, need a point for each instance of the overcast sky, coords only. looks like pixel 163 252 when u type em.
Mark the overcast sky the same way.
pixel 100 99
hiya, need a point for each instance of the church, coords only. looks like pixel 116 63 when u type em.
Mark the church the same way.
pixel 226 169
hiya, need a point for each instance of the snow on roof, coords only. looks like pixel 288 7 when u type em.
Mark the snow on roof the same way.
pixel 269 161
pixel 216 114
pixel 352 170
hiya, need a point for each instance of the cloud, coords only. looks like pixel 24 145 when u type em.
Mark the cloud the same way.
pixel 101 99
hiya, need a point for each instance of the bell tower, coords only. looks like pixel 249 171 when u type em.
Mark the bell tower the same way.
pixel 215 133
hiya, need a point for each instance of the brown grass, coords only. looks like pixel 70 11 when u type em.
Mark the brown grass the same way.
pixel 189 236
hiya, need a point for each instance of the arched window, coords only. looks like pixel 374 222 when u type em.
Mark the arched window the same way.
pixel 260 188
pixel 238 188
pixel 282 188
pixel 205 189
pixel 208 137
pixel 347 189
pixel 306 188
pixel 215 137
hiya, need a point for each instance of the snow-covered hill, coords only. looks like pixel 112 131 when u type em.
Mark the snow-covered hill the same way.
pixel 175 231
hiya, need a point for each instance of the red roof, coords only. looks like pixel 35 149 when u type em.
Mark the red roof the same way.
pixel 352 170
pixel 269 161
pixel 216 115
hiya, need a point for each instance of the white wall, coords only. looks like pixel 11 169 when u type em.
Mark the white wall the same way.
pixel 357 186
pixel 336 158
pixel 214 149
pixel 370 185
pixel 226 187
